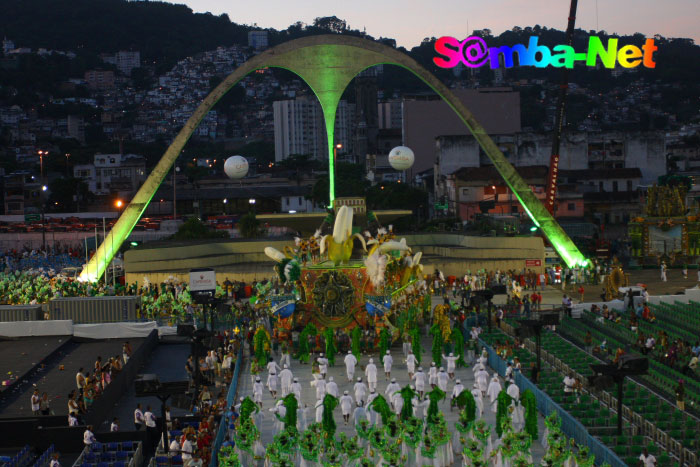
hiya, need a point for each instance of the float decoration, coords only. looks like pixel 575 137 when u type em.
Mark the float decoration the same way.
pixel 333 281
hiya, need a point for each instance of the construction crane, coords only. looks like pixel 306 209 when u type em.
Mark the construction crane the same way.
pixel 559 117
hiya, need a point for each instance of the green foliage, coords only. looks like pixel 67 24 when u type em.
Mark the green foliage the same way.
pixel 356 348
pixel 466 401
pixel 381 406
pixel 248 407
pixel 458 341
pixel 416 345
pixel 407 394
pixel 383 343
pixel 290 417
pixel 194 229
pixel 330 345
pixel 249 226
pixel 435 396
pixel 502 415
pixel 261 344
pixel 304 351
pixel 530 404
pixel 438 342
pixel 328 422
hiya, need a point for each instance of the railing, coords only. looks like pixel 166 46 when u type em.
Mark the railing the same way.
pixel 224 422
pixel 569 425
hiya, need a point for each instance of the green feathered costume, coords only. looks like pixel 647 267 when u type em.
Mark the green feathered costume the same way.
pixel 290 418
pixel 435 396
pixel 407 394
pixel 328 422
pixel 381 406
pixel 248 407
pixel 330 346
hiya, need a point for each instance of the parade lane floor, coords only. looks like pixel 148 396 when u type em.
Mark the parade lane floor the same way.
pixel 399 371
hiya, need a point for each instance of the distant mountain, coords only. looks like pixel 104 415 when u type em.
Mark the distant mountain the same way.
pixel 159 30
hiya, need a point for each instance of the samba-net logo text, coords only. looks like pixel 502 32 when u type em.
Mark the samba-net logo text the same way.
pixel 474 53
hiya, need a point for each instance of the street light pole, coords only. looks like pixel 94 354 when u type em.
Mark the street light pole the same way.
pixel 43 222
pixel 335 152
pixel 175 171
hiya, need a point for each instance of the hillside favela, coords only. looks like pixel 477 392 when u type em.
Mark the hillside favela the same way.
pixel 351 234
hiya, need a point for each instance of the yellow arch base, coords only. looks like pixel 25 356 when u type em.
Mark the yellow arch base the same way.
pixel 327 64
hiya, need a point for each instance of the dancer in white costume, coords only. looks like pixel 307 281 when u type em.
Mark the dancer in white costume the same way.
pixel 332 387
pixel 419 378
pixel 388 361
pixel 493 390
pixel 371 374
pixel 286 377
pixel 346 404
pixel 451 364
pixel 360 392
pixel 411 364
pixel 280 410
pixel 442 379
pixel 482 380
pixel 432 375
pixel 350 362
pixel 296 389
pixel 476 392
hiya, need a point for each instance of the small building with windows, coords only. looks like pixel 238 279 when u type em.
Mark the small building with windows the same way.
pixel 117 174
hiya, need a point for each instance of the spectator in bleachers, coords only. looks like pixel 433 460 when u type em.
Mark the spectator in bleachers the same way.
pixel 89 436
pixel 114 427
pixel 35 402
pixel 696 349
pixel 44 404
pixel 680 395
pixel 150 421
pixel 174 448
pixel 569 382
pixel 187 449
pixel 80 380
pixel 54 460
pixel 73 406
pixel 138 417
pixel 646 459
pixel 126 351
pixel 692 366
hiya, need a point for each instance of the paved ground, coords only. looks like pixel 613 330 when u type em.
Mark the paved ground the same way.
pixel 58 383
pixel 399 371
pixel 18 356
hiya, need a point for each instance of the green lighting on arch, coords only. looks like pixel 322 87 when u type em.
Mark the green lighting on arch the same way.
pixel 327 64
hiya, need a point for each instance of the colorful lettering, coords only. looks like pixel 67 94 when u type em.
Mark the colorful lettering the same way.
pixel 473 53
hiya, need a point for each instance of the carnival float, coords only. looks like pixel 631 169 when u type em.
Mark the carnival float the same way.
pixel 666 231
pixel 344 277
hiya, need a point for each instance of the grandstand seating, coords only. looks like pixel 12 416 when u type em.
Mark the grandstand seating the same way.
pixel 660 419
pixel 592 413
pixel 124 454
pixel 661 376
pixel 23 458
pixel 45 458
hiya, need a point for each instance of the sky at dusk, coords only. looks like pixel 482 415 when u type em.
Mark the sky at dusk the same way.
pixel 409 21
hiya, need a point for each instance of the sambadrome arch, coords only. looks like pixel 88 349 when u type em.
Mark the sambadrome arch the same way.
pixel 327 64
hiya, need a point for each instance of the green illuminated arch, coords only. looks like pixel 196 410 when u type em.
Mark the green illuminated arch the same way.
pixel 327 64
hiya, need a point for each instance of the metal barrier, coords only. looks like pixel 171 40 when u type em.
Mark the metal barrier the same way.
pixel 105 309
pixel 223 423
pixel 569 425
pixel 21 313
